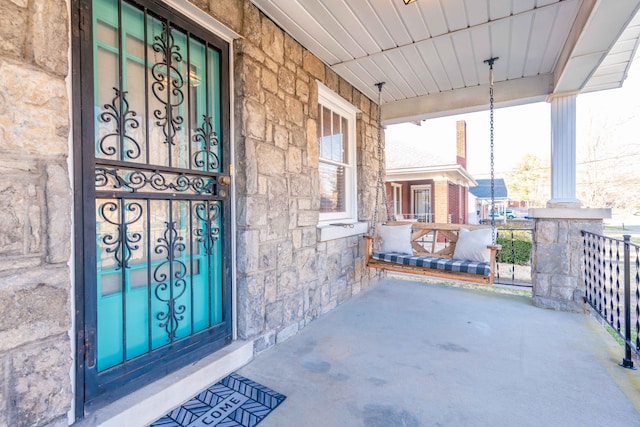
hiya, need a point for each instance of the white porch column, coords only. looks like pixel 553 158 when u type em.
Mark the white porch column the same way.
pixel 563 152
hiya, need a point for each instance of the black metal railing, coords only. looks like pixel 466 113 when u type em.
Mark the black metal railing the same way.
pixel 513 261
pixel 611 277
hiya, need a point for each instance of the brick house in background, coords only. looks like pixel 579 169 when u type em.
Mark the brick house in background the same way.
pixel 428 180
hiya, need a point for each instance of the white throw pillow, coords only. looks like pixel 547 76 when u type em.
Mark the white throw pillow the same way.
pixel 395 238
pixel 472 245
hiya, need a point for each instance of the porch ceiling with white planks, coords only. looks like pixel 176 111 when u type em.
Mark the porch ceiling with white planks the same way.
pixel 431 53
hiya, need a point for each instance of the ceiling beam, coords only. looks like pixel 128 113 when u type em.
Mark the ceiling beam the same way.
pixel 468 100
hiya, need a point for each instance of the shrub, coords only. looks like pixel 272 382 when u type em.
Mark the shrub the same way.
pixel 517 251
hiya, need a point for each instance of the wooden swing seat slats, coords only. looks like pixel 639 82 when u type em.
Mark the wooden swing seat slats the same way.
pixel 428 261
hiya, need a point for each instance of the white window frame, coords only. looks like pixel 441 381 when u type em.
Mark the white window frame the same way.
pixel 396 191
pixel 414 188
pixel 334 102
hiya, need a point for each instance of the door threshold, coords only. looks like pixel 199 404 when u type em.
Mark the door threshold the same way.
pixel 151 402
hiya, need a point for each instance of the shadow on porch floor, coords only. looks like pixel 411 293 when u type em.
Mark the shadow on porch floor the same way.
pixel 406 353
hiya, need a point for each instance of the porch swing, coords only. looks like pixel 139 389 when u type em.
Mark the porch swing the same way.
pixel 469 252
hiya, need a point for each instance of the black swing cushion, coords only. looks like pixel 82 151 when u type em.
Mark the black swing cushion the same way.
pixel 445 264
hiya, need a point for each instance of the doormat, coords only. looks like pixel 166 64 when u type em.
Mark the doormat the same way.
pixel 234 401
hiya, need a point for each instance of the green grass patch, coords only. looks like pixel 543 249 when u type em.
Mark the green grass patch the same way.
pixel 616 232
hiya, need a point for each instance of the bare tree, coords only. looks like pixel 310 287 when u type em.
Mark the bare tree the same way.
pixel 607 156
pixel 530 181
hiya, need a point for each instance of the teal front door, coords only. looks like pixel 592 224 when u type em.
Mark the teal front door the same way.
pixel 155 195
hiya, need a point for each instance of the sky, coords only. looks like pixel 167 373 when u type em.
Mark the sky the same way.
pixel 526 129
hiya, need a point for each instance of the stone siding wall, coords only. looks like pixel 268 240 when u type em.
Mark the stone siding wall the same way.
pixel 557 259
pixel 35 214
pixel 286 278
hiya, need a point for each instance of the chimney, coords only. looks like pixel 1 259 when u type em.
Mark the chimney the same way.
pixel 461 143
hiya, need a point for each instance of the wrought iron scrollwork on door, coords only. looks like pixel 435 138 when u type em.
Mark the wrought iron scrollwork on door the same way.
pixel 122 243
pixel 154 180
pixel 207 137
pixel 170 278
pixel 208 213
pixel 167 87
pixel 119 113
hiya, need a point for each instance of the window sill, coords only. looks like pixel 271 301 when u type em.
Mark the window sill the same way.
pixel 339 231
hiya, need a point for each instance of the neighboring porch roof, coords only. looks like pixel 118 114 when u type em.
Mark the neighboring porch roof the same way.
pixel 483 189
pixel 411 160
pixel 452 173
pixel 430 53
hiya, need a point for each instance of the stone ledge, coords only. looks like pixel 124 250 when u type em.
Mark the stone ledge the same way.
pixel 569 213
pixel 331 232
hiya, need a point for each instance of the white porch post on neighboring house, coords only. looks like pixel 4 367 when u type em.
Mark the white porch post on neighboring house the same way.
pixel 557 254
pixel 563 152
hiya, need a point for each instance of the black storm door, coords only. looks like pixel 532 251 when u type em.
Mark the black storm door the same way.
pixel 155 199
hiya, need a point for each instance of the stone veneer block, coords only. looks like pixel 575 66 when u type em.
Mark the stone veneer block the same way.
pixel 13 28
pixel 269 81
pixel 20 207
pixel 58 214
pixel 33 306
pixel 308 218
pixel 274 315
pixel 247 244
pixel 228 12
pixel 547 232
pixel 49 41
pixel 252 211
pixel 272 41
pixel 285 254
pixel 557 255
pixel 288 283
pixel 312 65
pixel 251 306
pixel 287 333
pixel 306 263
pixel 309 236
pixel 294 111
pixel 301 186
pixel 271 160
pixel 255 75
pixel 255 120
pixel 302 90
pixel 287 80
pixel 34 112
pixel 293 308
pixel 39 389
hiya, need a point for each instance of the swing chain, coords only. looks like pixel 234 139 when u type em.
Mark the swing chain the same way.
pixel 379 181
pixel 493 195
pixel 490 61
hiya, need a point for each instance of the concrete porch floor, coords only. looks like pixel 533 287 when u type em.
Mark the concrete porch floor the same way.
pixel 406 353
